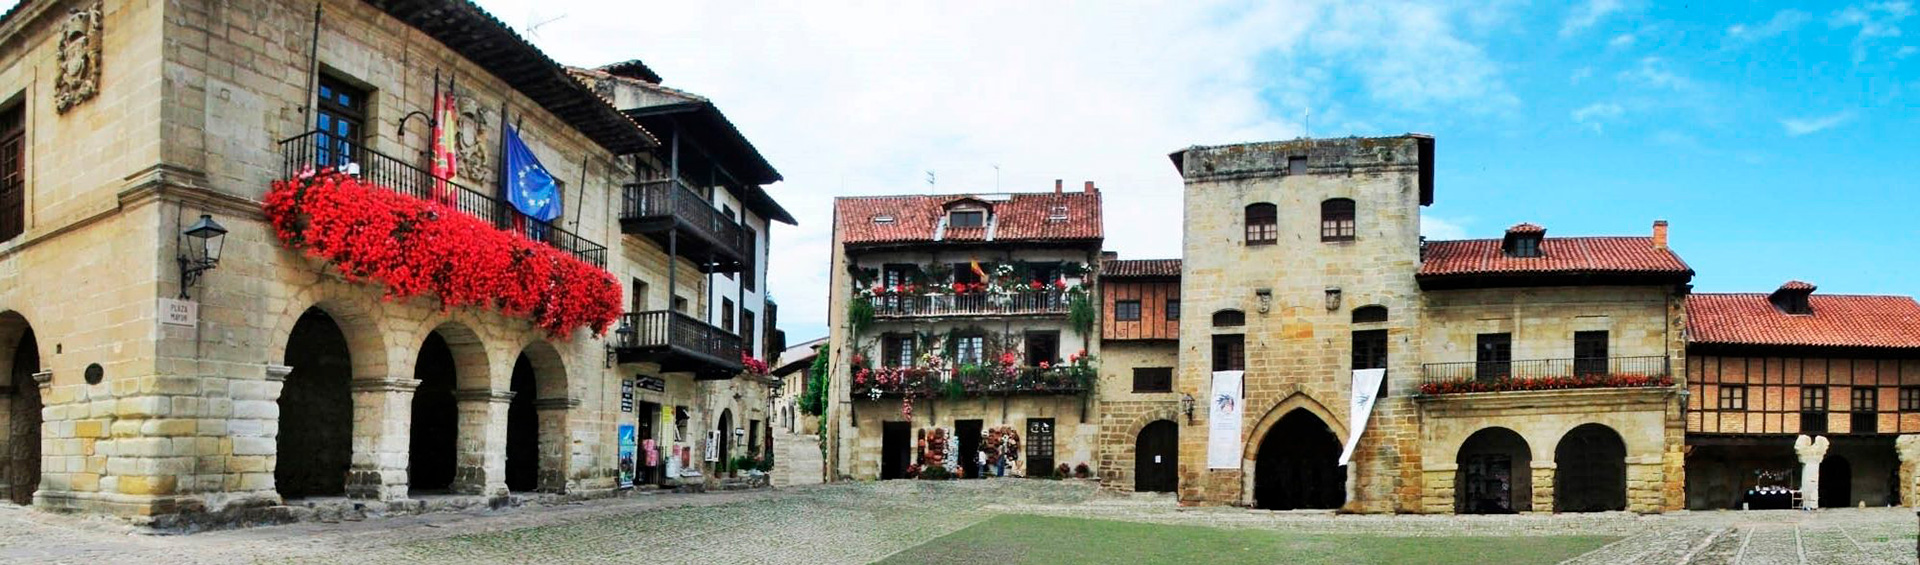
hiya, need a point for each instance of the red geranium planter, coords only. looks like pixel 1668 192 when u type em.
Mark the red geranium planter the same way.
pixel 417 247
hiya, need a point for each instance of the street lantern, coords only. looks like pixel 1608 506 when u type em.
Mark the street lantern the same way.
pixel 200 251
pixel 622 337
pixel 1186 406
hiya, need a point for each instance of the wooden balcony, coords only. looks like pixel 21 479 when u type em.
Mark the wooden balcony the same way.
pixel 317 150
pixel 1038 303
pixel 707 236
pixel 678 343
pixel 896 382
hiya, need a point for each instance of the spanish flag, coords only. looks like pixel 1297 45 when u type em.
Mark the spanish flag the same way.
pixel 977 271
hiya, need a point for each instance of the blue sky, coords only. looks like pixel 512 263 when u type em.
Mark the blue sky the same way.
pixel 1774 136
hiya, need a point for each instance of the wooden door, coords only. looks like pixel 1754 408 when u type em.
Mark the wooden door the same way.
pixel 1156 459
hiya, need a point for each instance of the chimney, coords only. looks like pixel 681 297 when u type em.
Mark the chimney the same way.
pixel 1659 234
pixel 1059 185
pixel 1091 189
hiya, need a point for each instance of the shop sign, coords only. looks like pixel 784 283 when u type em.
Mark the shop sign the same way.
pixel 626 396
pixel 655 384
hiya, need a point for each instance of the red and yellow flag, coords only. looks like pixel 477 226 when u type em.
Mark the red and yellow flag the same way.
pixel 444 159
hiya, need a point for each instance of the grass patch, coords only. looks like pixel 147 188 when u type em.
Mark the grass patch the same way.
pixel 1015 539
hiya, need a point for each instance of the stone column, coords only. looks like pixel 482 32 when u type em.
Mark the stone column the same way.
pixel 482 466
pixel 382 414
pixel 6 435
pixel 1437 488
pixel 1908 448
pixel 1543 472
pixel 556 442
pixel 1810 451
pixel 255 436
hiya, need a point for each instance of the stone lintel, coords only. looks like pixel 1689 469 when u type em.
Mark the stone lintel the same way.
pixel 278 372
pixel 556 403
pixel 488 395
pixel 384 385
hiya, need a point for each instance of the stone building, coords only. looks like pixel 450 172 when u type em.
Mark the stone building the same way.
pixel 275 376
pixel 1140 411
pixel 960 316
pixel 1305 264
pixel 1798 391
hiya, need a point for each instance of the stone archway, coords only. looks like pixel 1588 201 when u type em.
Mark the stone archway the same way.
pixel 1297 465
pixel 1836 482
pixel 1495 474
pixel 20 404
pixel 451 358
pixel 1590 470
pixel 538 448
pixel 314 448
pixel 725 427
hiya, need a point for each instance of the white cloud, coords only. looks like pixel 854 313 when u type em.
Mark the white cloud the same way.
pixel 1587 14
pixel 1876 20
pixel 863 99
pixel 1657 73
pixel 1435 227
pixel 1781 23
pixel 1580 74
pixel 1597 114
pixel 1802 126
pixel 1622 41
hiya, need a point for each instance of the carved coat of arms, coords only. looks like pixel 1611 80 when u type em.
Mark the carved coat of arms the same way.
pixel 79 58
pixel 470 140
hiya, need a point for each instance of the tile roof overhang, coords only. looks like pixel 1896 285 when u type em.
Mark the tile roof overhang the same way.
pixel 1875 322
pixel 1564 261
pixel 1140 269
pixel 1018 220
pixel 484 40
pixel 716 135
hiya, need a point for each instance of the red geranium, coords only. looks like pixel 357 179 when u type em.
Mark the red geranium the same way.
pixel 417 247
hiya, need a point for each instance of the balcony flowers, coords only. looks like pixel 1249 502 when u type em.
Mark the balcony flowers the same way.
pixel 417 247
pixel 1548 383
pixel 754 366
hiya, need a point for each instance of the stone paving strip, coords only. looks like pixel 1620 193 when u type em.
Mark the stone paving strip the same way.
pixel 863 522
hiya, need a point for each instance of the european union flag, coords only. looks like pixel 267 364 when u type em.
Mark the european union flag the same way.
pixel 529 186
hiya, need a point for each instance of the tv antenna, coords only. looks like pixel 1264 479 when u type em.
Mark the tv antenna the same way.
pixel 930 180
pixel 533 28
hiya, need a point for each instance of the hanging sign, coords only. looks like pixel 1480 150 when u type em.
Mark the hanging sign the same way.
pixel 1366 388
pixel 655 384
pixel 713 446
pixel 175 312
pixel 1225 410
pixel 628 451
pixel 626 396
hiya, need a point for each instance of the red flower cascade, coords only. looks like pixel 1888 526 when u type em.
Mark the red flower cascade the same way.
pixel 418 247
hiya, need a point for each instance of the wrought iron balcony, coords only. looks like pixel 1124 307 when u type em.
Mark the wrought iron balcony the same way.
pixel 921 382
pixel 678 342
pixel 707 236
pixel 317 150
pixel 1545 374
pixel 1024 303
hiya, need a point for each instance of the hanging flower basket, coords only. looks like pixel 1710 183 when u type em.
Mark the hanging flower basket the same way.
pixel 416 247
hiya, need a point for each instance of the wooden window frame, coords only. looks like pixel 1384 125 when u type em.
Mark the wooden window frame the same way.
pixel 1813 409
pixel 748 278
pixel 1864 410
pixel 1910 399
pixel 954 216
pixel 1493 356
pixel 1733 397
pixel 13 171
pixel 1371 349
pixel 973 343
pixel 1152 379
pixel 1126 310
pixel 896 350
pixel 1590 352
pixel 726 314
pixel 1229 318
pixel 1338 221
pixel 1173 309
pixel 1263 223
pixel 1033 358
pixel 1229 352
pixel 354 112
pixel 1370 314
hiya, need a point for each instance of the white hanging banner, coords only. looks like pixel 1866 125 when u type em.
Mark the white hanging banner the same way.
pixel 1225 408
pixel 1366 384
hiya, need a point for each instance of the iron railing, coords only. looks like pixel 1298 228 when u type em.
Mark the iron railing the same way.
pixel 316 150
pixel 669 329
pixel 1501 371
pixel 1048 302
pixel 928 383
pixel 657 198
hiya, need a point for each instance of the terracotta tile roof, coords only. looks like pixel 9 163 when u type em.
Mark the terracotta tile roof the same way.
pixel 1524 227
pixel 1014 217
pixel 1126 268
pixel 1837 321
pixel 1559 255
pixel 1797 285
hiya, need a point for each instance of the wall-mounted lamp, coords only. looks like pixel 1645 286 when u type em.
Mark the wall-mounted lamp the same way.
pixel 622 335
pixel 1333 298
pixel 200 251
pixel 1186 406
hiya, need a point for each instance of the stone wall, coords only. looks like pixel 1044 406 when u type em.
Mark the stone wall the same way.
pixel 1543 419
pixel 1123 412
pixel 1075 429
pixel 1543 320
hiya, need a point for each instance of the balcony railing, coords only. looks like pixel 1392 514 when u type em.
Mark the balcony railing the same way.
pixel 1544 374
pixel 895 382
pixel 318 150
pixel 1049 302
pixel 678 342
pixel 653 207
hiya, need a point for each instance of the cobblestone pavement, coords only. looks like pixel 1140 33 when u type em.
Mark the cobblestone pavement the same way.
pixel 861 522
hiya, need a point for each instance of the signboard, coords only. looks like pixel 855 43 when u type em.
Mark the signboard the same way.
pixel 1225 408
pixel 713 446
pixel 626 396
pixel 1366 387
pixel 628 449
pixel 176 312
pixel 655 384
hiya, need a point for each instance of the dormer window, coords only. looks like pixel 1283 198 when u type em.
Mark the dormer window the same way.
pixel 1523 240
pixel 1793 298
pixel 967 218
pixel 882 219
pixel 1057 214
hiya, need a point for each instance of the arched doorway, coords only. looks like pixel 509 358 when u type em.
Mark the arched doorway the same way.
pixel 1156 458
pixel 1590 470
pixel 1298 465
pixel 315 443
pixel 537 444
pixel 1836 482
pixel 726 437
pixel 21 457
pixel 1495 474
pixel 433 439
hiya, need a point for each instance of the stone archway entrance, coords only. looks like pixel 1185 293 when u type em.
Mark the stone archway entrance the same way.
pixel 1590 472
pixel 538 443
pixel 726 437
pixel 315 443
pixel 20 459
pixel 1836 482
pixel 1156 458
pixel 1298 465
pixel 432 443
pixel 1495 474
pixel 523 430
